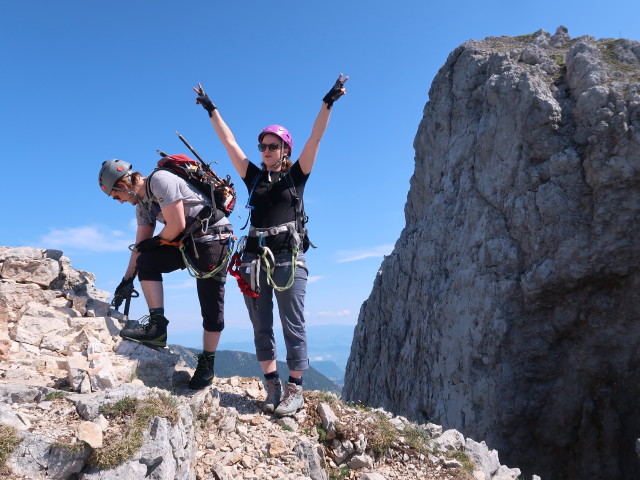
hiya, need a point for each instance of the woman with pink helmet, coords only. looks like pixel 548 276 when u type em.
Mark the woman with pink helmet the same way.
pixel 273 260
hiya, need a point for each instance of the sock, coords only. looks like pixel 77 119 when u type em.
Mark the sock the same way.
pixel 156 311
pixel 207 354
pixel 297 381
pixel 271 375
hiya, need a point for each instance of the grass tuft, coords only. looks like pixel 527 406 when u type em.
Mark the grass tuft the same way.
pixel 418 438
pixel 559 59
pixel 326 397
pixel 50 397
pixel 9 440
pixel 463 458
pixel 322 433
pixel 72 448
pixel 126 406
pixel 525 38
pixel 340 473
pixel 384 437
pixel 140 413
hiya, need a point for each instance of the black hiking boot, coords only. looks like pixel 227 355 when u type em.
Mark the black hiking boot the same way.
pixel 203 376
pixel 151 332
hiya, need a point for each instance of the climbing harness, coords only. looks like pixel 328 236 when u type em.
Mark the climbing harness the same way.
pixel 265 260
pixel 197 273
pixel 199 228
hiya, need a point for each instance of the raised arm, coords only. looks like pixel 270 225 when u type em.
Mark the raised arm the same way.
pixel 310 150
pixel 237 156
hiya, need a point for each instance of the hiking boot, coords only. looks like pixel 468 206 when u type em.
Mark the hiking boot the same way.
pixel 203 376
pixel 292 401
pixel 151 331
pixel 274 393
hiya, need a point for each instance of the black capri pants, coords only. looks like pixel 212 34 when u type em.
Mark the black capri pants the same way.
pixel 165 259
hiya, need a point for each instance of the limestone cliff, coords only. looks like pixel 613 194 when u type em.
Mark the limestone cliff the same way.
pixel 509 307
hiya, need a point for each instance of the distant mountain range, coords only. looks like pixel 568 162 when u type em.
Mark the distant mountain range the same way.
pixel 330 343
pixel 330 370
pixel 232 363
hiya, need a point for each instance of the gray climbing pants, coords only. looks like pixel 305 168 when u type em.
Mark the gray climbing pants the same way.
pixel 290 308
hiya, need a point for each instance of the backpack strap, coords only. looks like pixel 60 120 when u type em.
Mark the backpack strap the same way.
pixel 215 217
pixel 301 217
pixel 248 205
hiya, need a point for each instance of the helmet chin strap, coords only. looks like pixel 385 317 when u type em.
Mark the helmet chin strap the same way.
pixel 130 192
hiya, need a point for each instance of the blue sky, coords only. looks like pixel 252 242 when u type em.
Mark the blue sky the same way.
pixel 86 81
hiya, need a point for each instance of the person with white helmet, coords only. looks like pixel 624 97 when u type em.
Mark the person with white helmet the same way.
pixel 166 198
pixel 273 260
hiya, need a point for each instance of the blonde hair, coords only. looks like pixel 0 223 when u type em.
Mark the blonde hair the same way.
pixel 284 166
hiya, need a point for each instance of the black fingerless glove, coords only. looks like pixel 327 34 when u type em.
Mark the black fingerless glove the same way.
pixel 204 100
pixel 125 288
pixel 334 94
pixel 148 244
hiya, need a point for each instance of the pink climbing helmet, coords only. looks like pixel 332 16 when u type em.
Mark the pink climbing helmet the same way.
pixel 280 132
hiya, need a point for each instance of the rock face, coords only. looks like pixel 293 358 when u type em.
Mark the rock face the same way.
pixel 79 402
pixel 509 307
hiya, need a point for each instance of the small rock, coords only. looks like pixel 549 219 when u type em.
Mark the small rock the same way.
pixel 360 461
pixel 91 433
pixel 277 447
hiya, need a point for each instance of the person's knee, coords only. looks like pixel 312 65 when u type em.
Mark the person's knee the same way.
pixel 214 326
pixel 149 275
pixel 145 269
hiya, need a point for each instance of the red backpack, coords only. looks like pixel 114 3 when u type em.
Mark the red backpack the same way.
pixel 198 174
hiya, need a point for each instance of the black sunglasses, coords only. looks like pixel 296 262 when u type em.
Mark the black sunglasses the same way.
pixel 272 147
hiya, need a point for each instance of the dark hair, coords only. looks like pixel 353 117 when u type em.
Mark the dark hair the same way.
pixel 128 181
pixel 286 161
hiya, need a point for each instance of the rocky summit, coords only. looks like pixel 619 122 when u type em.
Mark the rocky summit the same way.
pixel 508 309
pixel 79 402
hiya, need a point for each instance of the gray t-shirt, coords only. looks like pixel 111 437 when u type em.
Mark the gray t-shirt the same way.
pixel 165 188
